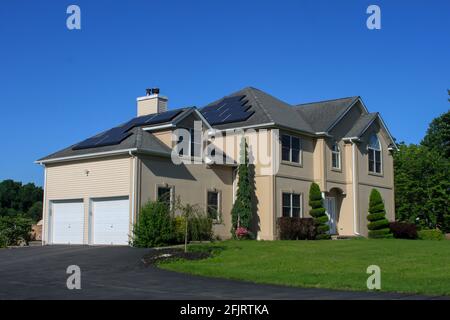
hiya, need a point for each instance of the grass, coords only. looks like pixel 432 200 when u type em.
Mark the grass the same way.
pixel 410 266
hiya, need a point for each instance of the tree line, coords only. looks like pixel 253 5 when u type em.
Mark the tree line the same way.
pixel 17 199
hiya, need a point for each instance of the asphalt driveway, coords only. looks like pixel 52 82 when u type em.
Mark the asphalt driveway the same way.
pixel 118 273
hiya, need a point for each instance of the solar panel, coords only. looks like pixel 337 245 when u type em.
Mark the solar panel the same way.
pixel 230 109
pixel 118 134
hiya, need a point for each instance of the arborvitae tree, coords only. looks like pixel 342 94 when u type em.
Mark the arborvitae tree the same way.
pixel 241 214
pixel 378 224
pixel 318 212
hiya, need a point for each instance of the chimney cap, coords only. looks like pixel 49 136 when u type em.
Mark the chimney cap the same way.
pixel 150 91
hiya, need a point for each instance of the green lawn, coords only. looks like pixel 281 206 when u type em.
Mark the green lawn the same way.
pixel 414 266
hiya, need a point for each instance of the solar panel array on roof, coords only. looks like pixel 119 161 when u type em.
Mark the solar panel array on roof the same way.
pixel 229 109
pixel 118 134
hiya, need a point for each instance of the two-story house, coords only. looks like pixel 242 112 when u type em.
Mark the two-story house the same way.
pixel 94 189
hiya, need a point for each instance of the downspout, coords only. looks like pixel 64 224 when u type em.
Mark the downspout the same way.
pixel 355 212
pixel 44 209
pixel 133 189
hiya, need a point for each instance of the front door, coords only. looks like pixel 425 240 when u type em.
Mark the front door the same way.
pixel 330 206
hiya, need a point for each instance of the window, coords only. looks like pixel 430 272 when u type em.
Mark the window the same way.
pixel 213 205
pixel 165 195
pixel 335 156
pixel 291 204
pixel 374 150
pixel 290 148
pixel 195 144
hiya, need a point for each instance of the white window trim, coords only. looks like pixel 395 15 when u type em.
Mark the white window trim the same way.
pixel 191 141
pixel 172 193
pixel 338 154
pixel 370 149
pixel 291 193
pixel 300 156
pixel 219 204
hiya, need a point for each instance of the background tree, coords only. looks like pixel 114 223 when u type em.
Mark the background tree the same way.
pixel 378 224
pixel 17 199
pixel 438 135
pixel 422 184
pixel 318 212
pixel 241 214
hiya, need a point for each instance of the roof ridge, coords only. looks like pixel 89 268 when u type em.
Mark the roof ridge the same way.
pixel 322 101
pixel 251 89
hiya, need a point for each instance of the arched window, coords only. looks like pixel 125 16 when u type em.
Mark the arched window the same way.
pixel 335 156
pixel 374 150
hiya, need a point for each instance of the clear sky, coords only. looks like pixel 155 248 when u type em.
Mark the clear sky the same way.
pixel 58 86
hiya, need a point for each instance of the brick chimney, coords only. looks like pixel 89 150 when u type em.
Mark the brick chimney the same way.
pixel 152 102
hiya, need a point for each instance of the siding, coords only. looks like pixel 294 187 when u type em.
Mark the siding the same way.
pixel 191 183
pixel 106 178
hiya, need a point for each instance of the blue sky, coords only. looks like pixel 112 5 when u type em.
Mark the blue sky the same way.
pixel 58 86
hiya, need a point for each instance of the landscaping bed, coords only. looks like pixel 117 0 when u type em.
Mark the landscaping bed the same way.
pixel 160 255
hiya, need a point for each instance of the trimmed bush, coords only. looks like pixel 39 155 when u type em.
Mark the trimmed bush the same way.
pixel 380 234
pixel 14 230
pixel 403 230
pixel 318 212
pixel 155 226
pixel 378 224
pixel 293 228
pixel 375 216
pixel 433 234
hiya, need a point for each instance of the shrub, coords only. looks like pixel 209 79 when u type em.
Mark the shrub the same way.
pixel 433 234
pixel 318 212
pixel 14 229
pixel 155 226
pixel 296 228
pixel 403 230
pixel 199 228
pixel 180 225
pixel 378 224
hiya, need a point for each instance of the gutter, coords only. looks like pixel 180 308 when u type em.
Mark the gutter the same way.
pixel 102 154
pixel 86 156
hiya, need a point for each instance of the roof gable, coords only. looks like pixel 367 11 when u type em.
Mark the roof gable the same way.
pixel 323 115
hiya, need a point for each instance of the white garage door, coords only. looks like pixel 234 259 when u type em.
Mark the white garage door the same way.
pixel 68 222
pixel 111 219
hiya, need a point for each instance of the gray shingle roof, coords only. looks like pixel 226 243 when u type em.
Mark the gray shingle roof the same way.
pixel 139 139
pixel 308 118
pixel 321 115
pixel 359 127
pixel 267 109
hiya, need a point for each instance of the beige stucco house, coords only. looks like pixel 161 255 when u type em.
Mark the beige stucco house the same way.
pixel 94 189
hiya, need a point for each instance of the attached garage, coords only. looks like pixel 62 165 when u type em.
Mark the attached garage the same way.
pixel 67 222
pixel 110 221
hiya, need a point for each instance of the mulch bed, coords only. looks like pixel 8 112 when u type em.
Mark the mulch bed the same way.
pixel 158 255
